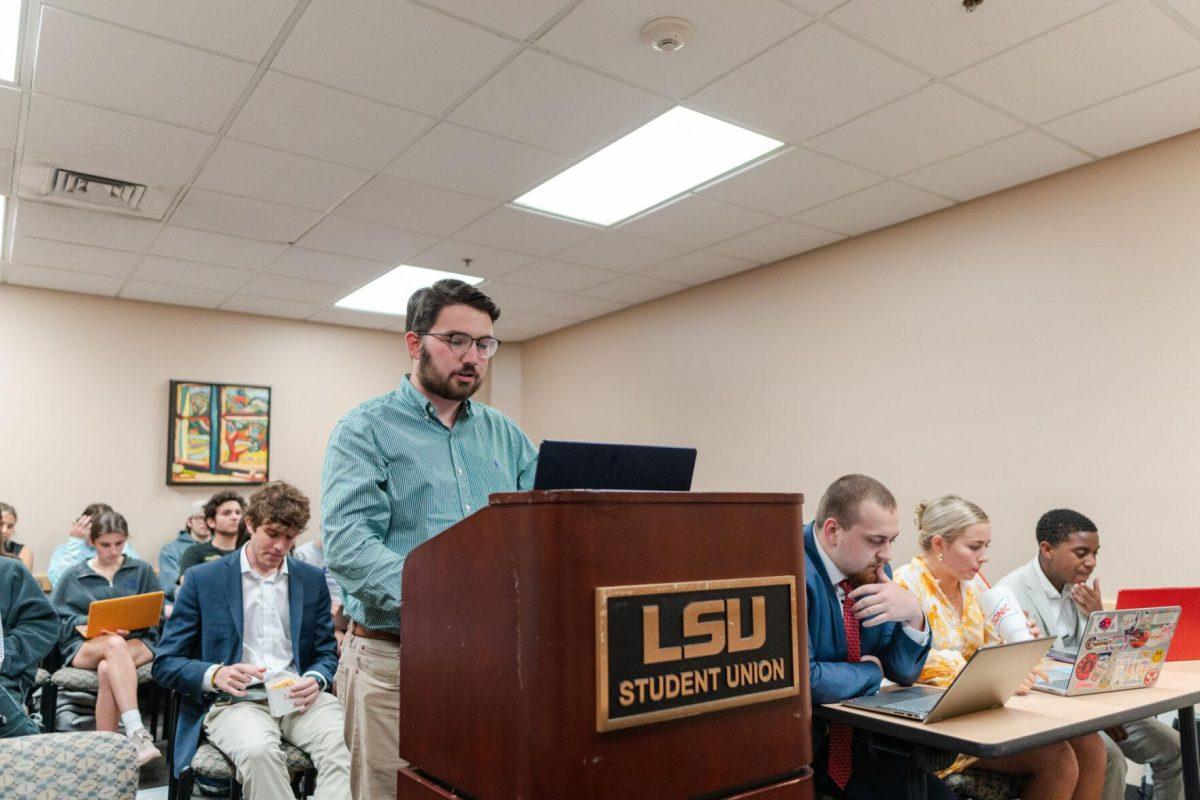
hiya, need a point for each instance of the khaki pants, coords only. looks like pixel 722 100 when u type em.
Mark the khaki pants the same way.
pixel 368 687
pixel 250 736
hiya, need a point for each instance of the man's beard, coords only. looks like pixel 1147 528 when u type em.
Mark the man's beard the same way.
pixel 445 387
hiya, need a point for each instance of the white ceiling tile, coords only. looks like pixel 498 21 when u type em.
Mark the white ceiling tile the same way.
pixel 698 267
pixel 414 206
pixel 230 27
pixel 537 324
pixel 604 34
pixel 556 106
pixel 270 306
pixel 391 50
pixel 503 331
pixel 791 182
pixel 815 80
pixel 578 307
pixel 298 289
pixel 940 37
pixel 354 237
pixel 1127 45
pixel 1190 9
pixel 932 124
pixel 696 221
pixel 476 163
pixel 486 262
pixel 63 280
pixel 635 289
pixel 815 6
pixel 1157 112
pixel 358 319
pixel 313 120
pixel 999 165
pixel 524 231
pixel 60 133
pixel 518 18
pixel 621 252
pixel 514 299
pixel 173 295
pixel 877 207
pixel 159 269
pixel 46 221
pixel 10 113
pixel 775 241
pixel 214 248
pixel 241 216
pixel 82 59
pixel 63 255
pixel 277 177
pixel 560 276
pixel 332 267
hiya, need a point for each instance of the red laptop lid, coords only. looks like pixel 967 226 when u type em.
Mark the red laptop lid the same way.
pixel 1186 644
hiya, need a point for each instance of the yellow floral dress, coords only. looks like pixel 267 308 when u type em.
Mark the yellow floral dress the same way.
pixel 955 638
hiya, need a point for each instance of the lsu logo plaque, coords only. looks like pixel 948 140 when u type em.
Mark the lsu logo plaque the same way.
pixel 671 650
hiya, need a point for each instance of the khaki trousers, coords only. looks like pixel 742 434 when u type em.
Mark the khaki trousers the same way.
pixel 250 736
pixel 368 687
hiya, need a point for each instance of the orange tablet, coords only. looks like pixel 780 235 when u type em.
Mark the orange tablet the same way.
pixel 1186 644
pixel 132 613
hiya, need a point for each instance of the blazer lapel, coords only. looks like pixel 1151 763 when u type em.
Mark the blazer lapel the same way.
pixel 295 611
pixel 233 592
pixel 836 624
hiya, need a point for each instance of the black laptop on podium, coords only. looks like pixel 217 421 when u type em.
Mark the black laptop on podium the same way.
pixel 629 467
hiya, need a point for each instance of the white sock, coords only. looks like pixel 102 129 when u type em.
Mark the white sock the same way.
pixel 132 720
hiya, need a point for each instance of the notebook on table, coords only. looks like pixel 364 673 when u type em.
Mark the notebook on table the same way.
pixel 132 613
pixel 988 679
pixel 1123 649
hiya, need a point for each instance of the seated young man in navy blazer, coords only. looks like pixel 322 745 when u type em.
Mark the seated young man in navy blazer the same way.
pixel 861 629
pixel 262 613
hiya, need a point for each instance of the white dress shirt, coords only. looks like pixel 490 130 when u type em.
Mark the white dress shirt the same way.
pixel 836 576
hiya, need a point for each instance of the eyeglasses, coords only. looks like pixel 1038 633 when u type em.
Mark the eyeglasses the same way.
pixel 459 343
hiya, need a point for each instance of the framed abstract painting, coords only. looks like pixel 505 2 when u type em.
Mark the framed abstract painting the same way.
pixel 218 433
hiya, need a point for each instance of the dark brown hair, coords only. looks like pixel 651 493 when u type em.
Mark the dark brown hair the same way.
pixel 425 304
pixel 844 497
pixel 107 522
pixel 280 503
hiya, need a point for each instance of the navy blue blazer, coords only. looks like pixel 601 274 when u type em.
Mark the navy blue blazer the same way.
pixel 831 677
pixel 205 628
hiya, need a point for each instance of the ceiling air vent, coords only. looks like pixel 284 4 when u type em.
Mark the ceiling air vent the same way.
pixel 96 190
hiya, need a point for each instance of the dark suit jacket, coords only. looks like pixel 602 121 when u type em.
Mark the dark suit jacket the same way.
pixel 831 676
pixel 205 628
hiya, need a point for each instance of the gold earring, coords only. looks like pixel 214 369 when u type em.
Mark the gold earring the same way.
pixel 941 556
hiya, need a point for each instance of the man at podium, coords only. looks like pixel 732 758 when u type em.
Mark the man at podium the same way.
pixel 399 469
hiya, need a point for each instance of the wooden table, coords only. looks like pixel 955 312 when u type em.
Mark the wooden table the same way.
pixel 1034 720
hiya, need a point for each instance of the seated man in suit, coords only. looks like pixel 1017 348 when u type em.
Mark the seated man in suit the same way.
pixel 30 633
pixel 1053 588
pixel 861 629
pixel 262 613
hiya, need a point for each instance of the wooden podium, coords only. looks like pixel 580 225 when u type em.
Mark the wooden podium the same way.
pixel 608 645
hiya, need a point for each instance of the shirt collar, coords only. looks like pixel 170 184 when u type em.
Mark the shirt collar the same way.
pixel 247 569
pixel 836 576
pixel 1044 582
pixel 412 395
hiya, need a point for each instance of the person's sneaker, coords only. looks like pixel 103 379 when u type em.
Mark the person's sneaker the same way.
pixel 146 751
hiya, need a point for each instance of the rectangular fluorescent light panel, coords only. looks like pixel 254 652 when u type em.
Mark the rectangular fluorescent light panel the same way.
pixel 663 158
pixel 389 293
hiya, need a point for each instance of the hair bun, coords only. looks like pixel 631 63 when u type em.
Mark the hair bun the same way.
pixel 922 507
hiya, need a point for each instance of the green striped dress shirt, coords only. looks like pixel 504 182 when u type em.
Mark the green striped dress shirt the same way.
pixel 395 477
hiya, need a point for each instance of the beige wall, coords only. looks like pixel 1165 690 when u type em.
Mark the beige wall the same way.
pixel 1032 349
pixel 83 402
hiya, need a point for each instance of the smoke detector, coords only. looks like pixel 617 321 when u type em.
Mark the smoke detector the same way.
pixel 668 34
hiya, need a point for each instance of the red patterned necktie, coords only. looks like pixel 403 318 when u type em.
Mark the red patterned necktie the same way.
pixel 840 734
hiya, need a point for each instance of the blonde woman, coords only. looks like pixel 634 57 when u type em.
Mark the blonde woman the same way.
pixel 954 535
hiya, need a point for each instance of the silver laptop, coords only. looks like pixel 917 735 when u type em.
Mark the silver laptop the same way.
pixel 1123 649
pixel 987 681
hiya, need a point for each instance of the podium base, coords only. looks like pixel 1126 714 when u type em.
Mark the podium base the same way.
pixel 412 785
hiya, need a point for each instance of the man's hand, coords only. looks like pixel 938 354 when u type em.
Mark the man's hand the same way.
pixel 234 678
pixel 1088 599
pixel 1117 733
pixel 304 693
pixel 886 601
pixel 874 661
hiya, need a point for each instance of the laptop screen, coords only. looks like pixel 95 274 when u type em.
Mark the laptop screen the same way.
pixel 586 465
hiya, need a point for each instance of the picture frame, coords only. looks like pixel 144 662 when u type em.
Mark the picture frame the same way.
pixel 218 434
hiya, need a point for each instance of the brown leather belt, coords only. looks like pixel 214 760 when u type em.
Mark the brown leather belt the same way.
pixel 367 633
